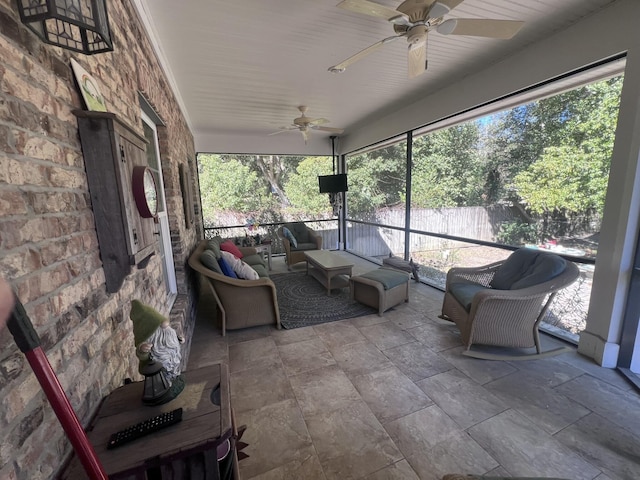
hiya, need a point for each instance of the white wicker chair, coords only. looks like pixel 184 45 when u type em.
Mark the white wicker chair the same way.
pixel 505 318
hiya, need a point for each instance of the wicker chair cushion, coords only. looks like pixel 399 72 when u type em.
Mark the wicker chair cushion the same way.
pixel 226 268
pixel 214 246
pixel 290 236
pixel 299 230
pixel 527 267
pixel 464 293
pixel 253 259
pixel 304 246
pixel 547 266
pixel 387 277
pixel 261 269
pixel 240 268
pixel 209 260
pixel 232 248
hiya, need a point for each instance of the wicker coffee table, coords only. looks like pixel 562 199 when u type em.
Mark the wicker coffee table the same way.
pixel 331 270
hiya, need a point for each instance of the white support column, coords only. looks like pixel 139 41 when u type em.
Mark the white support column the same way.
pixel 601 338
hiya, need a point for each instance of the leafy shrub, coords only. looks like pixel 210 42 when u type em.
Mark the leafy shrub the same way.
pixel 518 233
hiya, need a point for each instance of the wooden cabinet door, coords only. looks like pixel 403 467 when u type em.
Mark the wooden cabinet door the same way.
pixel 111 150
pixel 141 231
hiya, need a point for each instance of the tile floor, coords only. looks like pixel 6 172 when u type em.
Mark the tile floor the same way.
pixel 392 398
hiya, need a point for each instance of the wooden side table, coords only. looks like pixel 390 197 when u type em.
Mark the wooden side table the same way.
pixel 184 450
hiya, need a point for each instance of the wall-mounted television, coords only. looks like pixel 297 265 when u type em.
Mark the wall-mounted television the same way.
pixel 333 183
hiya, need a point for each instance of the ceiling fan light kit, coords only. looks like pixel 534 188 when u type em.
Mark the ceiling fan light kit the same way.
pixel 447 27
pixel 414 19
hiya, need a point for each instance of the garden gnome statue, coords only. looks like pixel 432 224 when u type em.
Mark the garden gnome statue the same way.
pixel 158 349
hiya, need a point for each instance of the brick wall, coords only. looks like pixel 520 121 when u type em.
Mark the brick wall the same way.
pixel 49 249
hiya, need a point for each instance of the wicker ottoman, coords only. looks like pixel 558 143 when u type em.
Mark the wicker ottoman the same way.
pixel 382 288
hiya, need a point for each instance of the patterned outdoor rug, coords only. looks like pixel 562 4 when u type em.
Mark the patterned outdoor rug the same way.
pixel 304 302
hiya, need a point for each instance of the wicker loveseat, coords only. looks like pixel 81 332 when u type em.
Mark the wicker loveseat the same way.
pixel 241 303
pixel 306 240
pixel 502 304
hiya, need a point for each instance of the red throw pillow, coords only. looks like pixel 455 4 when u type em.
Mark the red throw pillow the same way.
pixel 228 246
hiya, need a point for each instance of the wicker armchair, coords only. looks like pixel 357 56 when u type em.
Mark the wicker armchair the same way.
pixel 307 240
pixel 488 312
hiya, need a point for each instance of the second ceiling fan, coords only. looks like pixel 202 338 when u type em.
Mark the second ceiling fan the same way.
pixel 414 19
pixel 303 124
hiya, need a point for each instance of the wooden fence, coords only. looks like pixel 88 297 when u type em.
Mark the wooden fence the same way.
pixel 480 223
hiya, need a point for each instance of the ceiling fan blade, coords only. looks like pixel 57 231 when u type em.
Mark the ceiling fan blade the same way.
pixel 283 129
pixel 329 129
pixel 340 67
pixel 373 9
pixel 417 56
pixel 304 135
pixel 480 27
pixel 441 7
pixel 317 121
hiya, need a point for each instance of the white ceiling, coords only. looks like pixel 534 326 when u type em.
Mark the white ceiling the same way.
pixel 241 67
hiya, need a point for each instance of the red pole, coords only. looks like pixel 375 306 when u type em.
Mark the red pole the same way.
pixel 29 343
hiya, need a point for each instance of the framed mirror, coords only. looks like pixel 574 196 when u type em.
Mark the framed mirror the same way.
pixel 145 191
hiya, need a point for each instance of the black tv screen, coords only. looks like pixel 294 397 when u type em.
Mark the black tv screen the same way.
pixel 333 183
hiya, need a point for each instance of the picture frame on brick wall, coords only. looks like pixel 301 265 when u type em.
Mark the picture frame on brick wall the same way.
pixel 187 196
pixel 93 99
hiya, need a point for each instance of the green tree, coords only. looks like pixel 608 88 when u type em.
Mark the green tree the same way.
pixel 376 179
pixel 257 186
pixel 518 137
pixel 569 180
pixel 447 168
pixel 273 170
pixel 226 185
pixel 303 191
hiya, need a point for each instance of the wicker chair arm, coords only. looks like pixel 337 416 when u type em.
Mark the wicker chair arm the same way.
pixel 316 237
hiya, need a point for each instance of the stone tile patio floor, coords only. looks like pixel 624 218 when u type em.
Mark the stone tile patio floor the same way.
pixel 392 398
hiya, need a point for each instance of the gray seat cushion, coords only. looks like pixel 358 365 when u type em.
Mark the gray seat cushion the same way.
pixel 387 277
pixel 464 293
pixel 304 246
pixel 261 269
pixel 527 267
pixel 253 259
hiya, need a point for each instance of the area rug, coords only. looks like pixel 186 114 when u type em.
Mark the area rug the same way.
pixel 304 302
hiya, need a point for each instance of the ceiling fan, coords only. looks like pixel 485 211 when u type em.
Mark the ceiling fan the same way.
pixel 304 124
pixel 414 19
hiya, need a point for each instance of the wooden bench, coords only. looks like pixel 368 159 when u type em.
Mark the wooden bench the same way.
pixel 404 265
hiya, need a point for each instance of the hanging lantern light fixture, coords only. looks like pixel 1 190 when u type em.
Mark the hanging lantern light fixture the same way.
pixel 78 25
